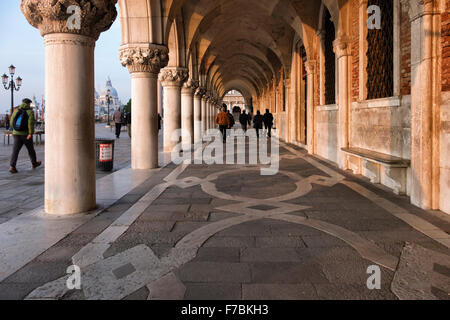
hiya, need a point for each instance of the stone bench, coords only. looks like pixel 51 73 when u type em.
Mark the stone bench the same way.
pixel 379 168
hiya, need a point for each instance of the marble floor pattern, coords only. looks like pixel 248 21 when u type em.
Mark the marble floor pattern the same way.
pixel 227 232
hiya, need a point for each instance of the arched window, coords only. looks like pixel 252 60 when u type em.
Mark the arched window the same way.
pixel 330 58
pixel 380 51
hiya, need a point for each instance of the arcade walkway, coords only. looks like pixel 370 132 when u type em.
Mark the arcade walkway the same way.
pixel 226 232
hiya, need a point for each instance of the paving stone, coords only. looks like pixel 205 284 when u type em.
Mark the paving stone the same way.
pixel 217 255
pixel 270 255
pixel 232 242
pixel 59 254
pixel 213 291
pixel 187 227
pixel 323 240
pixel 287 272
pixel 39 272
pixel 16 291
pixel 253 228
pixel 214 272
pixel 143 226
pixel 353 292
pixel 219 216
pixel 141 294
pixel 280 242
pixel 304 291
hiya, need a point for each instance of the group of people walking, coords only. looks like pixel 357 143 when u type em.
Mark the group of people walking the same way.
pixel 225 121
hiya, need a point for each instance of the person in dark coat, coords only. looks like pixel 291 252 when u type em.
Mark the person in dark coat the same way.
pixel 244 120
pixel 268 122
pixel 258 123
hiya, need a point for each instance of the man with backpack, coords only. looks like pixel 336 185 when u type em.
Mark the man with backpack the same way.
pixel 223 121
pixel 22 122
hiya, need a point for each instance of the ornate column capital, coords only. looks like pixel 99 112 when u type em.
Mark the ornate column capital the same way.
pixel 311 66
pixel 144 57
pixel 342 46
pixel 200 92
pixel 173 76
pixel 190 86
pixel 83 17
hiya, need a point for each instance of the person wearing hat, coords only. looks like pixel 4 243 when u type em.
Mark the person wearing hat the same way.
pixel 22 122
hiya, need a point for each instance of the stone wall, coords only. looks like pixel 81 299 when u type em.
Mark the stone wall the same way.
pixel 327 133
pixel 383 125
pixel 445 29
pixel 355 50
pixel 405 50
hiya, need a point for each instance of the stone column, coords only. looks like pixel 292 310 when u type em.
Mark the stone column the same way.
pixel 425 104
pixel 311 69
pixel 343 53
pixel 69 93
pixel 199 93
pixel 187 112
pixel 144 62
pixel 172 78
pixel 204 107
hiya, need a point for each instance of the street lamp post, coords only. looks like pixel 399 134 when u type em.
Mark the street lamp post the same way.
pixel 9 84
pixel 108 101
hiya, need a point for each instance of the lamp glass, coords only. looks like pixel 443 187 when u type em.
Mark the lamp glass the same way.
pixel 12 70
pixel 19 81
pixel 5 79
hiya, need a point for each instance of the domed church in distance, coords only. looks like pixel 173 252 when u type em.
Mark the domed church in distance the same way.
pixel 101 100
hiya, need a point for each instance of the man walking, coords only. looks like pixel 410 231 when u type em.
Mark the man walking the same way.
pixel 258 122
pixel 22 122
pixel 223 121
pixel 268 122
pixel 118 119
pixel 243 119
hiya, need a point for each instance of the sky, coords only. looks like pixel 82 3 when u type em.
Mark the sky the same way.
pixel 22 45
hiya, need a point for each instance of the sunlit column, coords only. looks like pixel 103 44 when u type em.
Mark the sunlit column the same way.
pixel 69 94
pixel 172 78
pixel 144 101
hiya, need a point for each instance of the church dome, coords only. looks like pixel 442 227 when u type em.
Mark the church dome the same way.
pixel 113 91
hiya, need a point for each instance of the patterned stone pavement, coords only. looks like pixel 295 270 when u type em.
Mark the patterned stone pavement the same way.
pixel 225 232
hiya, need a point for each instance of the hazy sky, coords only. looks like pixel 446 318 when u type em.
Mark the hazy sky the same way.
pixel 22 45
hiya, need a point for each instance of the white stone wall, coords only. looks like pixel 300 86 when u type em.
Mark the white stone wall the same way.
pixel 326 132
pixel 383 125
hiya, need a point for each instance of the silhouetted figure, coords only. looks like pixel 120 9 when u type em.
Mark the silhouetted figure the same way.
pixel 268 122
pixel 258 123
pixel 159 122
pixel 244 120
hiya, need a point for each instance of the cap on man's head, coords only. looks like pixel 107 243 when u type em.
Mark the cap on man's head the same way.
pixel 27 101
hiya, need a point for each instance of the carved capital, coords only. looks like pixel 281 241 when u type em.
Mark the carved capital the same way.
pixel 311 66
pixel 190 86
pixel 342 46
pixel 173 76
pixel 144 58
pixel 419 8
pixel 83 17
pixel 200 92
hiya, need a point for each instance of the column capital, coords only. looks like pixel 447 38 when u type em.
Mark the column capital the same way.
pixel 419 8
pixel 200 92
pixel 83 17
pixel 144 57
pixel 342 46
pixel 190 86
pixel 311 66
pixel 173 76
